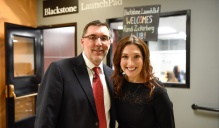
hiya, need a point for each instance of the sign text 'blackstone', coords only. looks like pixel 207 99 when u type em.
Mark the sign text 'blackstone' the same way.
pixel 58 10
pixel 59 7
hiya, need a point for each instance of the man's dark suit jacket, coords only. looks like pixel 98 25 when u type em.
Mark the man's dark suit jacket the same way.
pixel 65 97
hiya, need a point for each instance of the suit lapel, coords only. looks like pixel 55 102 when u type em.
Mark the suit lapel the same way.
pixel 108 74
pixel 81 73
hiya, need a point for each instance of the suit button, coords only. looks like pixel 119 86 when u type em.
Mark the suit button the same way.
pixel 97 124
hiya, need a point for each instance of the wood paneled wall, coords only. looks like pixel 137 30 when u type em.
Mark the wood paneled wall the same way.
pixel 22 12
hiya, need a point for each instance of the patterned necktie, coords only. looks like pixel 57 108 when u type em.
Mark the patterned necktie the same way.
pixel 98 97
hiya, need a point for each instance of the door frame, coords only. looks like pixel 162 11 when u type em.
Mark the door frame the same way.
pixel 11 90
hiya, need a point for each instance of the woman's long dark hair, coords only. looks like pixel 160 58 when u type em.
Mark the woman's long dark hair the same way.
pixel 146 72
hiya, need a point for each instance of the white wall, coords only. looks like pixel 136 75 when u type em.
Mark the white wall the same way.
pixel 204 62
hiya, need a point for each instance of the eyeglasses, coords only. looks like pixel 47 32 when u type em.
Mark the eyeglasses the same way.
pixel 95 38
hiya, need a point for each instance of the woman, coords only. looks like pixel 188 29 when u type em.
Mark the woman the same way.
pixel 141 100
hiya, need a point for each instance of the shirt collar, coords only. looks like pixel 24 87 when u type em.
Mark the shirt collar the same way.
pixel 89 64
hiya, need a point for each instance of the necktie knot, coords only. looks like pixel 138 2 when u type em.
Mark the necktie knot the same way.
pixel 96 70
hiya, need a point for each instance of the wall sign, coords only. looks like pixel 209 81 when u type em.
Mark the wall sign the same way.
pixel 59 7
pixel 142 21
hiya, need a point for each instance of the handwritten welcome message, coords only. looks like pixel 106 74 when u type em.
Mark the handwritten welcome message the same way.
pixel 142 21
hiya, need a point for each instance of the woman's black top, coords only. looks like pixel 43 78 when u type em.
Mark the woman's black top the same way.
pixel 135 109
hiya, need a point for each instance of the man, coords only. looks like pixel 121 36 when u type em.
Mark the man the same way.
pixel 65 98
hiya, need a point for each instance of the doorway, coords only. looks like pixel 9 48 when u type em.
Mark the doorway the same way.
pixel 29 51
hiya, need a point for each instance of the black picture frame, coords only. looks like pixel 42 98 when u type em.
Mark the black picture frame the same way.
pixel 187 14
